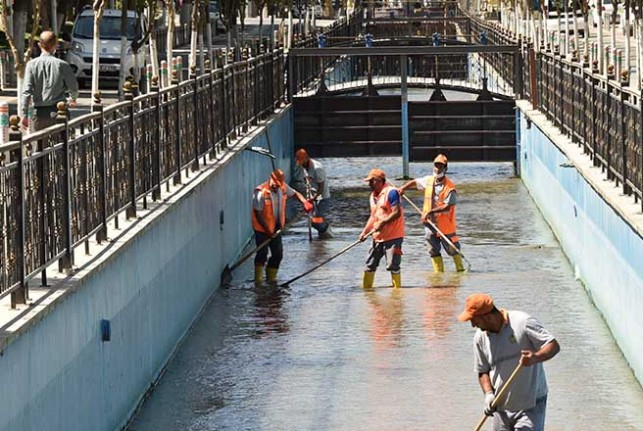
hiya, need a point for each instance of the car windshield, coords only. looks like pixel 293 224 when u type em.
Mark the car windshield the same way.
pixel 214 8
pixel 110 27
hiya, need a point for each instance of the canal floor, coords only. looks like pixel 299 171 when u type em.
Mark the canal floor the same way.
pixel 323 354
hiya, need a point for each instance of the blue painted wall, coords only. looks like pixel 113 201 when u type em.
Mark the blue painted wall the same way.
pixel 60 375
pixel 604 249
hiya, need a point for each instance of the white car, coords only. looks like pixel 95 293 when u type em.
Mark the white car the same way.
pixel 81 49
pixel 607 9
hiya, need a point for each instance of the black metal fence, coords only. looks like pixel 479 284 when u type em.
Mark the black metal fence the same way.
pixel 598 112
pixel 61 186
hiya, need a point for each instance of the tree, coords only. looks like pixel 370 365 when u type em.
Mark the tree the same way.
pixel 99 7
pixel 171 15
pixel 229 14
pixel 16 37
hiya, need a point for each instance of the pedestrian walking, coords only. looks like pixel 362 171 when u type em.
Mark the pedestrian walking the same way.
pixel 268 217
pixel 502 340
pixel 438 211
pixel 310 180
pixel 387 220
pixel 48 80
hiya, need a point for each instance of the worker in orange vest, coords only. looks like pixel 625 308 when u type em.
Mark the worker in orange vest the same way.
pixel 269 216
pixel 387 222
pixel 439 208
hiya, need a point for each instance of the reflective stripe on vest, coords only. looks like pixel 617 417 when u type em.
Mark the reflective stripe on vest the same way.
pixel 380 210
pixel 267 213
pixel 444 220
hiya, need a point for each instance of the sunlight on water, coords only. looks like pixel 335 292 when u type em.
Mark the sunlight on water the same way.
pixel 325 355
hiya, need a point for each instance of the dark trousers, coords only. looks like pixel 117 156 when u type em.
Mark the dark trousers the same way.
pixel 276 250
pixel 45 117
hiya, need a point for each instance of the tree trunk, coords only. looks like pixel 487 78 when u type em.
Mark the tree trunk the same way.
pixel 260 23
pixel 601 54
pixel 154 57
pixel 45 12
pixel 639 38
pixel 171 15
pixel 20 16
pixel 628 47
pixel 98 15
pixel 122 71
pixel 272 31
pixel 194 36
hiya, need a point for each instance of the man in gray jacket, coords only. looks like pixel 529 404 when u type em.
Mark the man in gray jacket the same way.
pixel 48 80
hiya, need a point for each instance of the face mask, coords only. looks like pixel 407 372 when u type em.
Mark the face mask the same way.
pixel 439 175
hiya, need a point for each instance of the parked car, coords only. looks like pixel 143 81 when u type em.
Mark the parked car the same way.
pixel 81 49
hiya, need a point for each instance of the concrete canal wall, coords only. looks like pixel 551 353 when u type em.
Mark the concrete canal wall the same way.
pixel 600 229
pixel 150 283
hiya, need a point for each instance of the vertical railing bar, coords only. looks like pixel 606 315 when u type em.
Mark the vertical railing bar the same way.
pixel 68 260
pixel 129 96
pixel 101 235
pixel 21 294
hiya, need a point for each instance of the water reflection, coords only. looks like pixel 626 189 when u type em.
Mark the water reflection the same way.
pixel 269 315
pixel 387 316
pixel 441 303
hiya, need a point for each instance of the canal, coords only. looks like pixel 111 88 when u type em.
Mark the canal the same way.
pixel 324 354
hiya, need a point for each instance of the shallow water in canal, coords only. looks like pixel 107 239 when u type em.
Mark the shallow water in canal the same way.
pixel 325 355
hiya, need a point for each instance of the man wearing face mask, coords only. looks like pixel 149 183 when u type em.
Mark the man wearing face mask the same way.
pixel 439 209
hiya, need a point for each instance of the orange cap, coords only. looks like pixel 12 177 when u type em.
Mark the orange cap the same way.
pixel 278 176
pixel 301 155
pixel 440 158
pixel 477 304
pixel 375 173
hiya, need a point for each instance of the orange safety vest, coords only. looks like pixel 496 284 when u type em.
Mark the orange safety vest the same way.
pixel 444 220
pixel 381 209
pixel 268 213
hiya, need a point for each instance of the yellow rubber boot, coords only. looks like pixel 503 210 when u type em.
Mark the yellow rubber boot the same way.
pixel 438 264
pixel 271 274
pixel 258 274
pixel 457 259
pixel 397 280
pixel 369 278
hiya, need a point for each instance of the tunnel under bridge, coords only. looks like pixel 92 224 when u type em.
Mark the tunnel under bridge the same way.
pixel 414 100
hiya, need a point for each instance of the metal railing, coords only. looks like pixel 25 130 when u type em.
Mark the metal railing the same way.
pixel 61 186
pixel 598 112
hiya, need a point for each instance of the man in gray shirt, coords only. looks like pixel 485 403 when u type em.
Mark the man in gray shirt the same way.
pixel 48 80
pixel 503 339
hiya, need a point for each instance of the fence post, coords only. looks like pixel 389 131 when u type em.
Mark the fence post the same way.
pixel 222 103
pixel 195 118
pixel 67 261
pixel 129 97
pixel 518 74
pixel 97 106
pixel 21 294
pixel 177 127
pixel 156 192
pixel 533 82
pixel 626 188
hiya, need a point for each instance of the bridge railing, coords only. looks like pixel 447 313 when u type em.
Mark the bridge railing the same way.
pixel 598 112
pixel 61 186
